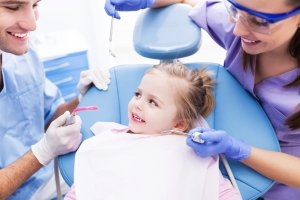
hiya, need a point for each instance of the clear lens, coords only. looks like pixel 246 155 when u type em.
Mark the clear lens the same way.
pixel 256 24
pixel 231 10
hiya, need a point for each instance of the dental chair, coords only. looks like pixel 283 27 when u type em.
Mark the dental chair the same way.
pixel 168 34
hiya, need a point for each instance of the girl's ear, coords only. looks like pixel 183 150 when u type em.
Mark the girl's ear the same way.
pixel 181 125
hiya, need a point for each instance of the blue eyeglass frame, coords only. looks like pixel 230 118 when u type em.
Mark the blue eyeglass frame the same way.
pixel 272 18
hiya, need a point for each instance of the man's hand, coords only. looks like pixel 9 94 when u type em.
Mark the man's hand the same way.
pixel 58 139
pixel 99 77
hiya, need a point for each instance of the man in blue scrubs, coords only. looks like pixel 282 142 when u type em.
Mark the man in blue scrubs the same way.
pixel 30 105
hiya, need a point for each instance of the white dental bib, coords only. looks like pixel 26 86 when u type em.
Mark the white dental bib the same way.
pixel 123 166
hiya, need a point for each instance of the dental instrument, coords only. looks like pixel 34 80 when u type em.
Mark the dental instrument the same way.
pixel 110 35
pixel 70 120
pixel 196 137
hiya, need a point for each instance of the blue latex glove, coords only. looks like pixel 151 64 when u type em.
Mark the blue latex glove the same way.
pixel 217 142
pixel 113 6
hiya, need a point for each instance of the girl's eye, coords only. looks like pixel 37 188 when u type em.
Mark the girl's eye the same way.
pixel 137 94
pixel 153 103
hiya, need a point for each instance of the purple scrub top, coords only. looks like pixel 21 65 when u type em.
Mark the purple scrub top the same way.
pixel 277 101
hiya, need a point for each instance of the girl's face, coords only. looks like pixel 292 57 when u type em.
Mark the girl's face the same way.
pixel 17 20
pixel 281 32
pixel 153 108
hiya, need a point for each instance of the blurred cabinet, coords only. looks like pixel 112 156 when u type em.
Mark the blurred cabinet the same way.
pixel 64 55
pixel 65 71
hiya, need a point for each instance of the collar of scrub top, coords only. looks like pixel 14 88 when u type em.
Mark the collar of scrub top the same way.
pixel 267 16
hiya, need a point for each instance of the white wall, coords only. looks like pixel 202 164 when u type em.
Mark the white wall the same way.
pixel 90 20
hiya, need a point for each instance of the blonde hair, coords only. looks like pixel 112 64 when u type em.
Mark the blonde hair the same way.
pixel 195 98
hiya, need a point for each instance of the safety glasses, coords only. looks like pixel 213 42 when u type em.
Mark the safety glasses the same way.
pixel 257 21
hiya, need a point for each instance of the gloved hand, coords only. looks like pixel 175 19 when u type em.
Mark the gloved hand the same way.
pixel 217 142
pixel 99 77
pixel 113 6
pixel 58 139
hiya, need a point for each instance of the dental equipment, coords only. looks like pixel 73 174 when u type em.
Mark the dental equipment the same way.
pixel 70 120
pixel 110 35
pixel 196 137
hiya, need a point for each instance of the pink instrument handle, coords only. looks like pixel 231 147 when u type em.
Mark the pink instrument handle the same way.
pixel 84 108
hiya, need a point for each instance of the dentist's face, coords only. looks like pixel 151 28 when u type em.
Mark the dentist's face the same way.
pixel 17 20
pixel 280 34
pixel 153 108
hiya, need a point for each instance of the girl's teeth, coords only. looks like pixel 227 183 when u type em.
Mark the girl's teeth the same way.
pixel 137 118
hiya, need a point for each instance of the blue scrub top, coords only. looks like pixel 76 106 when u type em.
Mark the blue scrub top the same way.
pixel 27 102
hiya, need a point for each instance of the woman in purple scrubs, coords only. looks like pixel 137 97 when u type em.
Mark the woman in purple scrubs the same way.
pixel 262 40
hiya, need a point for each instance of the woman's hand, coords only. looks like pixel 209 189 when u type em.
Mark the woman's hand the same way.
pixel 113 6
pixel 217 142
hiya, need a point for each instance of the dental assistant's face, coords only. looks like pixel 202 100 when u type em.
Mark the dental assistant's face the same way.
pixel 281 32
pixel 153 108
pixel 17 20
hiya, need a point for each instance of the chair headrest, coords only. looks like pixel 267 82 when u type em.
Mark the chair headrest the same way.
pixel 158 35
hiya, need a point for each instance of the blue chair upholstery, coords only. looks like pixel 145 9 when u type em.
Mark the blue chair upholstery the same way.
pixel 166 33
pixel 236 111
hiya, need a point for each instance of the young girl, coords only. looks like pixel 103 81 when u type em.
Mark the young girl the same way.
pixel 142 162
pixel 262 39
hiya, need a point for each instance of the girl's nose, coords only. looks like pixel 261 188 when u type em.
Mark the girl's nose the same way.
pixel 139 104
